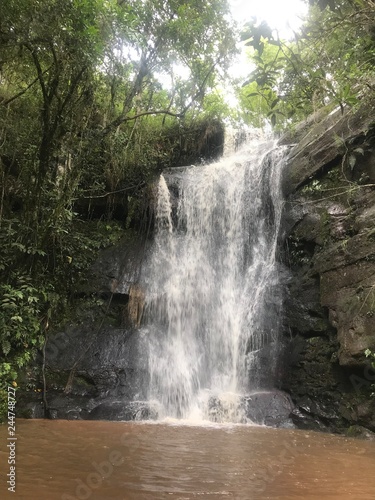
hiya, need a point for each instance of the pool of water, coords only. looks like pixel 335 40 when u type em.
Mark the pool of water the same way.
pixel 65 460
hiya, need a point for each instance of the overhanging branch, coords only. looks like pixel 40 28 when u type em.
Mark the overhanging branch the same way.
pixel 16 96
pixel 125 118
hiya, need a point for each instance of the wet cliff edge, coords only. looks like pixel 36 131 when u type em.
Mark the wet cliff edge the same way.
pixel 329 231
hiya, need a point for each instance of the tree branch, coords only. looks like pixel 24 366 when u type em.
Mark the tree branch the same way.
pixel 159 112
pixel 73 86
pixel 38 69
pixel 124 119
pixel 13 98
pixel 95 196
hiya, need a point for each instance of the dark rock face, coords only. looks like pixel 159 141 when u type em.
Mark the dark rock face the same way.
pixel 101 359
pixel 330 248
pixel 117 268
pixel 113 364
pixel 360 432
pixel 109 381
pixel 322 143
pixel 123 410
pixel 273 408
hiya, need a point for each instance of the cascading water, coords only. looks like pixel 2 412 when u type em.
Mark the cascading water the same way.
pixel 213 297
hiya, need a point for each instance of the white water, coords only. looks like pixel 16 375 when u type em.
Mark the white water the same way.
pixel 212 298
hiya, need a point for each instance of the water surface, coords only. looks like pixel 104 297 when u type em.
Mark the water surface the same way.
pixel 64 460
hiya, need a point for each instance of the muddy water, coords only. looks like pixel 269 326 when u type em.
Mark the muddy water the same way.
pixel 65 460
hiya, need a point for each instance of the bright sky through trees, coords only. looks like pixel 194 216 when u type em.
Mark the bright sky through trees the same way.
pixel 284 16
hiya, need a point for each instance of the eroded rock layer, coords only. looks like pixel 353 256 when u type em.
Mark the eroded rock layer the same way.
pixel 330 248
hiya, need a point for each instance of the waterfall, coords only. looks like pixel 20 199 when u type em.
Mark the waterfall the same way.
pixel 213 301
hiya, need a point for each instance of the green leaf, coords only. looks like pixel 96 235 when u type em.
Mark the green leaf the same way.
pixel 10 305
pixel 6 347
pixel 17 318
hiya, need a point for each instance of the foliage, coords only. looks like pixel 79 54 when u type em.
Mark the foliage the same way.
pixel 371 355
pixel 20 324
pixel 331 62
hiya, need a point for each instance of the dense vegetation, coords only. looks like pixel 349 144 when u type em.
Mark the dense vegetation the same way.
pixel 93 102
pixel 329 63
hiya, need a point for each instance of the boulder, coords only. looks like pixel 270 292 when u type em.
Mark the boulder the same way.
pixel 324 143
pixel 124 411
pixel 271 408
pixel 357 431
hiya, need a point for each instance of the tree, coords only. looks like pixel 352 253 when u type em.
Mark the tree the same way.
pixel 164 36
pixel 330 62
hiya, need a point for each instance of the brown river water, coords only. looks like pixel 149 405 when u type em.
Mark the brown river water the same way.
pixel 65 460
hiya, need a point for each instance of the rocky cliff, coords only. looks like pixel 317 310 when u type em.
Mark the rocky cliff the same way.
pixel 95 368
pixel 329 184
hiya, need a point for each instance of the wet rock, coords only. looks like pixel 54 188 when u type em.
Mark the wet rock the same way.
pixel 365 413
pixel 110 363
pixel 33 408
pixel 318 147
pixel 303 420
pixel 69 407
pixel 113 362
pixel 60 406
pixel 271 408
pixel 318 412
pixel 330 312
pixel 117 268
pixel 123 410
pixel 360 432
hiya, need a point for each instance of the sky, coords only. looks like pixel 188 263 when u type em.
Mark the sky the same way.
pixel 282 15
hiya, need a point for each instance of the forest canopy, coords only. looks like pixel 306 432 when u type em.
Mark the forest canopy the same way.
pixel 330 62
